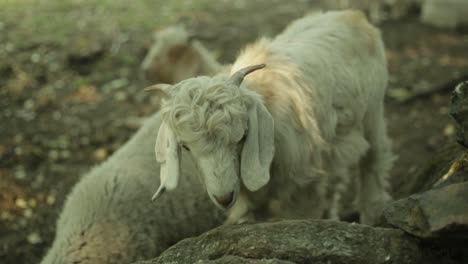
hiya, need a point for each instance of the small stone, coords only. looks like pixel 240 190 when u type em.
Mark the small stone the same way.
pixel 29 104
pixel 50 200
pixel 84 49
pixel 32 203
pixel 20 172
pixel 400 94
pixel 84 141
pixel 34 238
pixel 100 154
pixel 53 154
pixel 59 84
pixel 7 113
pixel 9 47
pixel 2 150
pixel 35 57
pixel 120 96
pixel 4 215
pixel 28 213
pixel 65 154
pixel 56 115
pixel 449 130
pixel 22 222
pixel 134 122
pixel 38 181
pixel 21 203
pixel 18 138
pixel 54 67
pixel 115 84
pixel 444 110
pixel 87 94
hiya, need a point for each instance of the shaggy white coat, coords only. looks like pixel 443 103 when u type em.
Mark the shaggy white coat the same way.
pixel 108 218
pixel 323 88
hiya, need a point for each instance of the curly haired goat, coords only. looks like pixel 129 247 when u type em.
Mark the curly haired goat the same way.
pixel 288 141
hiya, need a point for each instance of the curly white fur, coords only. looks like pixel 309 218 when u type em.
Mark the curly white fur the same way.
pixel 323 88
pixel 109 218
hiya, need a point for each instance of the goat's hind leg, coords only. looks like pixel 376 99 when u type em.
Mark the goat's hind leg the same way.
pixel 375 167
pixel 346 153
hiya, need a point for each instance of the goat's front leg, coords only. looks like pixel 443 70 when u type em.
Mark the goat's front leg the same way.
pixel 240 212
pixel 372 198
pixel 339 188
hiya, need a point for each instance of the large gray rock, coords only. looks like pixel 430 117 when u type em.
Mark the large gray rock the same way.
pixel 298 241
pixel 438 213
pixel 229 259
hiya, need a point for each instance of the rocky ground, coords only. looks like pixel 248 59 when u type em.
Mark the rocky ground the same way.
pixel 71 92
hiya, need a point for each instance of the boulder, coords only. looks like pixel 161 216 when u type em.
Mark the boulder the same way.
pixel 438 213
pixel 298 241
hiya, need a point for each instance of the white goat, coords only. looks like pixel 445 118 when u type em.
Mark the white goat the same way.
pixel 108 217
pixel 294 133
pixel 176 55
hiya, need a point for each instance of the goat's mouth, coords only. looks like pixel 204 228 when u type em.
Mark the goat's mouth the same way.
pixel 224 202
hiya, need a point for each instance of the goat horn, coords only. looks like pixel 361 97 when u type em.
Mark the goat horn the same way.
pixel 238 76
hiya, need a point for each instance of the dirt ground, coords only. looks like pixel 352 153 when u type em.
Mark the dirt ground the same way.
pixel 71 91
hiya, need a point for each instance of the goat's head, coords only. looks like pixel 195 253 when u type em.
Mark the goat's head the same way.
pixel 172 57
pixel 225 128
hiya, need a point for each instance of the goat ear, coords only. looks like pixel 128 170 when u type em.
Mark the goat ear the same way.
pixel 167 155
pixel 258 149
pixel 161 89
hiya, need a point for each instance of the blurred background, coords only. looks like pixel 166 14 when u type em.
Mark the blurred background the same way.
pixel 71 86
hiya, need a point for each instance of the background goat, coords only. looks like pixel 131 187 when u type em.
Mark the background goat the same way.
pixel 177 55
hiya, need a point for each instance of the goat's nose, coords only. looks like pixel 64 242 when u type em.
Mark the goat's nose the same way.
pixel 225 200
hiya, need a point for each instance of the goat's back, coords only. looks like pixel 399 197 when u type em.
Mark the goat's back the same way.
pixel 335 46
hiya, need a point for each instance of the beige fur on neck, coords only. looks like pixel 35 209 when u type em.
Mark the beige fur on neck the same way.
pixel 280 84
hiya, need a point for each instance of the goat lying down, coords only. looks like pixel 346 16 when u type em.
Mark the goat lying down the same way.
pixel 291 138
pixel 283 143
pixel 109 218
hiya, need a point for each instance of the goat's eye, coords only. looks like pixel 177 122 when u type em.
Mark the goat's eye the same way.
pixel 185 147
